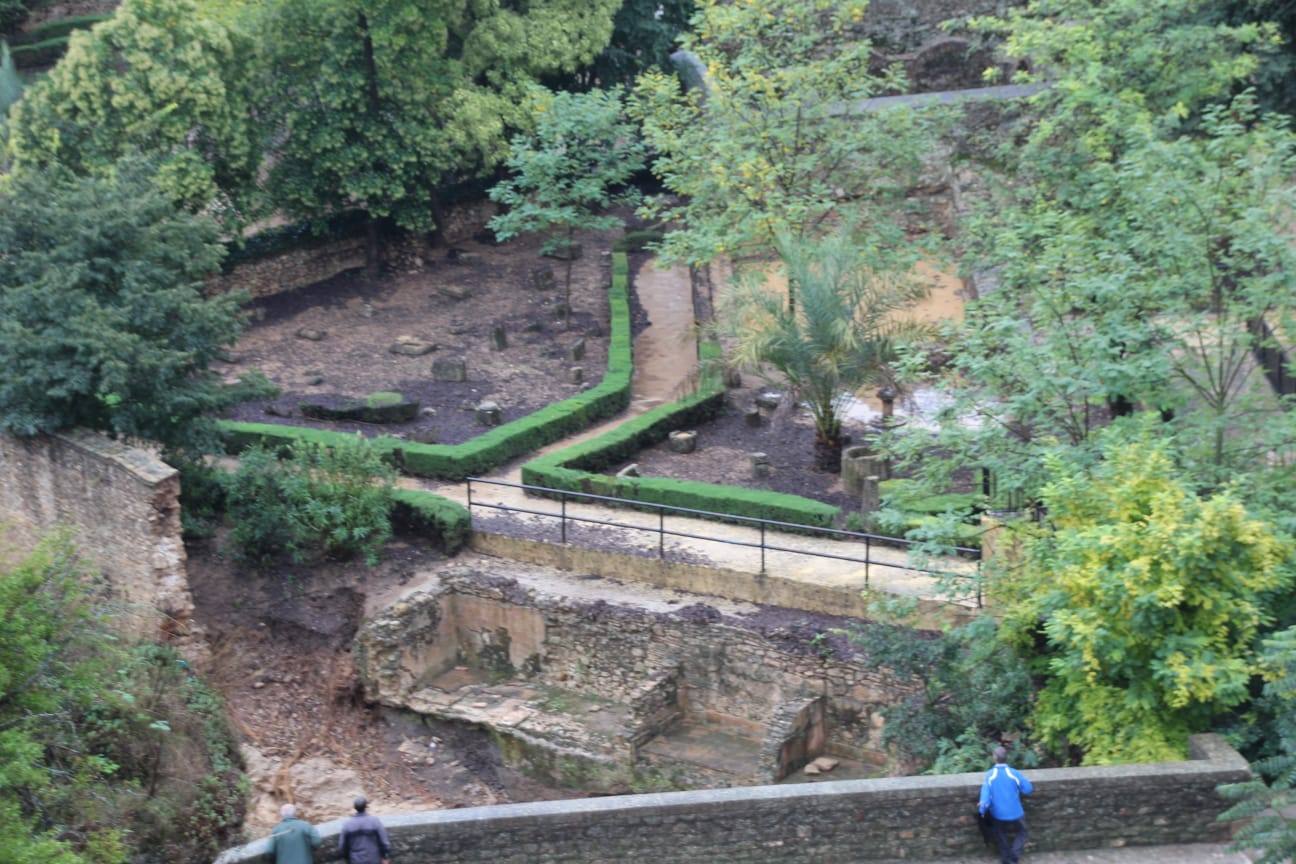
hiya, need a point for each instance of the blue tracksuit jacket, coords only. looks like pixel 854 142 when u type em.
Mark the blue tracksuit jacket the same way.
pixel 1001 793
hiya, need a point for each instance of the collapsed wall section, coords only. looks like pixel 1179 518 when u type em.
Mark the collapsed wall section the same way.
pixel 122 507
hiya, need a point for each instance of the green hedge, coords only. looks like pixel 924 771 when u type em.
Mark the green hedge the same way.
pixel 45 53
pixel 425 515
pixel 637 241
pixel 60 28
pixel 499 445
pixel 576 468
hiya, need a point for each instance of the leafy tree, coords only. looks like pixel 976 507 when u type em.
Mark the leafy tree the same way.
pixel 320 501
pixel 12 13
pixel 379 104
pixel 1148 597
pixel 1266 802
pixel 778 143
pixel 11 85
pixel 644 33
pixel 566 174
pixel 1150 299
pixel 157 79
pixel 109 752
pixel 843 333
pixel 103 323
pixel 974 692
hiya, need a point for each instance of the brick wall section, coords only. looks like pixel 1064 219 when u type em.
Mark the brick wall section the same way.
pixel 122 506
pixel 857 820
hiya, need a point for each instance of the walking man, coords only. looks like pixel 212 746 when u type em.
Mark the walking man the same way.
pixel 363 839
pixel 1001 793
pixel 292 839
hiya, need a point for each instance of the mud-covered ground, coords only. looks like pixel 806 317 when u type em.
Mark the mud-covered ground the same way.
pixel 281 656
pixel 360 321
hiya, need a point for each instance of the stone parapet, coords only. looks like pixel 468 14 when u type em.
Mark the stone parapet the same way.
pixel 856 820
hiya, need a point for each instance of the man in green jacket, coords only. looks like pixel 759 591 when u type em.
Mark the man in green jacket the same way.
pixel 292 839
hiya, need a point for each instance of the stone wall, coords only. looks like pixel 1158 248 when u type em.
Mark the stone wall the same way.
pixel 315 262
pixel 856 820
pixel 713 667
pixel 122 506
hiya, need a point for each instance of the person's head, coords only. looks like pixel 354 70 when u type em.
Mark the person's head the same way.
pixel 1000 755
pixel 361 804
pixel 288 811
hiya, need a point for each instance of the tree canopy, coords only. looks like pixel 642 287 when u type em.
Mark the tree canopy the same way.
pixel 103 322
pixel 159 80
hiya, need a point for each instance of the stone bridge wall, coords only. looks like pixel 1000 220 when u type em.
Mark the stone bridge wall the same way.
pixel 122 506
pixel 856 820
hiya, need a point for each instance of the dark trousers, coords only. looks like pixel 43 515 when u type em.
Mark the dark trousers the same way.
pixel 1010 835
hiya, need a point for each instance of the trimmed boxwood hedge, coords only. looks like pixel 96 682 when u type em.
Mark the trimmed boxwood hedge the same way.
pixel 425 515
pixel 575 468
pixel 499 445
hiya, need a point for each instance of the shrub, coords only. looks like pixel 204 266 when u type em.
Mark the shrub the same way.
pixel 429 516
pixel 334 500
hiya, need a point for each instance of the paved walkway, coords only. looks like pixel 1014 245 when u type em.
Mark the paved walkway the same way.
pixel 664 368
pixel 1195 854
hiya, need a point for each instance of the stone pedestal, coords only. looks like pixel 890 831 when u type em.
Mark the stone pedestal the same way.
pixel 576 351
pixel 682 442
pixel 760 465
pixel 752 416
pixel 857 463
pixel 489 414
pixel 870 494
pixel 576 374
pixel 498 338
pixel 449 370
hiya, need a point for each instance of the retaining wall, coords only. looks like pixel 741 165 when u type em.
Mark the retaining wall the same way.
pixel 858 820
pixel 122 506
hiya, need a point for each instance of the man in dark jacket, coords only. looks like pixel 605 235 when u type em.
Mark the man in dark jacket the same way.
pixel 1001 793
pixel 363 839
pixel 293 839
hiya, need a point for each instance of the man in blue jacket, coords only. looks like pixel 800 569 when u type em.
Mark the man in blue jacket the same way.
pixel 363 839
pixel 1001 793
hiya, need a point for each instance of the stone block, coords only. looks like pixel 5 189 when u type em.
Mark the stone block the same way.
pixel 576 350
pixel 576 374
pixel 310 334
pixel 498 338
pixel 410 346
pixel 752 416
pixel 631 470
pixel 456 292
pixel 760 465
pixel 768 399
pixel 489 414
pixel 543 279
pixel 449 370
pixel 682 442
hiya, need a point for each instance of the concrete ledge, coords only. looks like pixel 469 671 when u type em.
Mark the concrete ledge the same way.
pixel 849 599
pixel 858 820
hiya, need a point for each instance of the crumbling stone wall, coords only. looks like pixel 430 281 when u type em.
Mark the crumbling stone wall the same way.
pixel 122 506
pixel 854 820
pixel 712 666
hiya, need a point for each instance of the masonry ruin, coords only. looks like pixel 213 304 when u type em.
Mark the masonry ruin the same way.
pixel 610 687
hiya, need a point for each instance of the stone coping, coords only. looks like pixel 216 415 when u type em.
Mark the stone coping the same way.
pixel 1212 761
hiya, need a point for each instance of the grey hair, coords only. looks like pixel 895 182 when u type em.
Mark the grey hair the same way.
pixel 287 811
pixel 1000 754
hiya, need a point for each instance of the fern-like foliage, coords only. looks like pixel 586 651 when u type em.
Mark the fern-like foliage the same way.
pixel 1267 804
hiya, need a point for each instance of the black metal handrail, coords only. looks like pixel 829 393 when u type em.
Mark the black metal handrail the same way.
pixel 662 510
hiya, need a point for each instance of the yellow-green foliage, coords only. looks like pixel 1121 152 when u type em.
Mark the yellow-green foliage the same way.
pixel 1150 597
pixel 158 79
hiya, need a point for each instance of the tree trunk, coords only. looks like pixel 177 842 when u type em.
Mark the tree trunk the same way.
pixel 827 452
pixel 437 239
pixel 373 249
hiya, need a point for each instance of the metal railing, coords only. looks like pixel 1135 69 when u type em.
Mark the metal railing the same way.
pixel 762 525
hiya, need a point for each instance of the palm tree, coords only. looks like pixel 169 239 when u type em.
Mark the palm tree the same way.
pixel 842 333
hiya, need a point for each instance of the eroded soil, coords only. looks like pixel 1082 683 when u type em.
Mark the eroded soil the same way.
pixel 281 657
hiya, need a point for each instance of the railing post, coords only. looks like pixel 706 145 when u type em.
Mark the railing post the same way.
pixel 762 524
pixel 562 496
pixel 661 532
pixel 868 557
